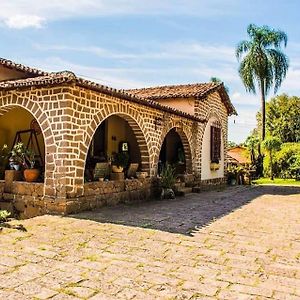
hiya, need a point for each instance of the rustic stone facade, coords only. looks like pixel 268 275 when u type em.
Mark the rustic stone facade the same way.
pixel 211 107
pixel 69 114
pixel 69 117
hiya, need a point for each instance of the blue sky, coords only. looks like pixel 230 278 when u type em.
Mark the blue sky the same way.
pixel 137 43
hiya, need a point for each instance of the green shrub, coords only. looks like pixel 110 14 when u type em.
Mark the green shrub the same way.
pixel 286 161
pixel 4 214
pixel 168 177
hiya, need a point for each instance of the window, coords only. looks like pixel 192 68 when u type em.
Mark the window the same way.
pixel 215 144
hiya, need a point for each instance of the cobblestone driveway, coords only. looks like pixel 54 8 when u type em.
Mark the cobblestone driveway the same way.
pixel 241 243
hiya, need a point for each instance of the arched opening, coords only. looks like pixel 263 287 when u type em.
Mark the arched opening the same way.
pixel 117 139
pixel 18 125
pixel 175 151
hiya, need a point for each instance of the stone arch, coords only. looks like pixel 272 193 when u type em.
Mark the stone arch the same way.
pixel 185 139
pixel 10 102
pixel 135 124
pixel 212 113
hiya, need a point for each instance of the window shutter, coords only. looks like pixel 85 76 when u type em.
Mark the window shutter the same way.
pixel 215 144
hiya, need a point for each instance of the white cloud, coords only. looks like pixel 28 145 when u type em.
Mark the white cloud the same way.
pixel 24 21
pixel 58 9
pixel 239 98
pixel 115 77
pixel 292 82
pixel 168 51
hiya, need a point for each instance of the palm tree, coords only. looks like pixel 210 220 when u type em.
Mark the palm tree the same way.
pixel 262 63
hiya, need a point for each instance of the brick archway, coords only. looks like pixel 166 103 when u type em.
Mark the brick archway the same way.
pixel 185 142
pixel 135 124
pixel 6 104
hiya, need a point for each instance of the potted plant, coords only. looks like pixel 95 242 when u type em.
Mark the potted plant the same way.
pixel 215 165
pixel 16 157
pixel 26 158
pixel 119 162
pixel 167 182
pixel 31 174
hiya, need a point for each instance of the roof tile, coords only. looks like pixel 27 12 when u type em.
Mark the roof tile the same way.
pixel 174 91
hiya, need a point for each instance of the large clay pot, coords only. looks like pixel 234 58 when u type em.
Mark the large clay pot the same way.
pixel 31 175
pixel 116 169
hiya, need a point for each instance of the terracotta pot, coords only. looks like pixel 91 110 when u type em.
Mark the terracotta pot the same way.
pixel 116 169
pixel 31 175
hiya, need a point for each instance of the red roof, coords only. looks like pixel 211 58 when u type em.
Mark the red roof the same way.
pixel 239 154
pixel 196 90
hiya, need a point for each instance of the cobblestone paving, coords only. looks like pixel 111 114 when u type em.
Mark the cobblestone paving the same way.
pixel 241 243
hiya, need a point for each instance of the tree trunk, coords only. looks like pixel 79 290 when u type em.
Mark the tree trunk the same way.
pixel 263 110
pixel 271 163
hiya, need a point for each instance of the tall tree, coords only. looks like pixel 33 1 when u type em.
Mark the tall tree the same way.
pixel 262 63
pixel 271 144
pixel 283 118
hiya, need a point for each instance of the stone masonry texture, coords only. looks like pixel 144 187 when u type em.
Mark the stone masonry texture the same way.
pixel 240 243
pixel 69 116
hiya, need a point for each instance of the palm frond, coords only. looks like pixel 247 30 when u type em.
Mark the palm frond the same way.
pixel 280 65
pixel 242 47
pixel 247 73
pixel 262 62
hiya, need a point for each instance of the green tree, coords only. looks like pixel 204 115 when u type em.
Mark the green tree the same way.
pixel 262 62
pixel 283 118
pixel 251 143
pixel 231 144
pixel 271 144
pixel 218 81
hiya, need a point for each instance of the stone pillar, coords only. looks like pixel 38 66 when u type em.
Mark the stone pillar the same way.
pixel 10 177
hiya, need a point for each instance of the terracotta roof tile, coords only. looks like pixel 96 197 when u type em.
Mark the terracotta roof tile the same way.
pixel 174 91
pixel 22 68
pixel 42 78
pixel 50 79
pixel 239 154
pixel 197 90
pixel 68 77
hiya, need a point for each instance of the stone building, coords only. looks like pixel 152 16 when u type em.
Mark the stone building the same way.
pixel 76 121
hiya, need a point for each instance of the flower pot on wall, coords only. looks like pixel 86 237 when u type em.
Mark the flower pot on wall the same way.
pixel 31 175
pixel 214 166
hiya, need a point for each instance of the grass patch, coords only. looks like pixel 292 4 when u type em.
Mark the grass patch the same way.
pixel 277 181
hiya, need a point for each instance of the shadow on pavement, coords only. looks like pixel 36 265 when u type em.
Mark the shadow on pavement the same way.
pixel 17 227
pixel 184 214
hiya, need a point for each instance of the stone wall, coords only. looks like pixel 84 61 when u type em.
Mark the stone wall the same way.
pixel 88 109
pixel 209 184
pixel 1 187
pixel 26 199
pixel 69 116
pixel 211 107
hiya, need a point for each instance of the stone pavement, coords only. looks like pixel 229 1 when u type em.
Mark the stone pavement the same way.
pixel 241 243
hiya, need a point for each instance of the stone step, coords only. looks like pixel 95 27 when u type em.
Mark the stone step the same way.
pixel 184 191
pixel 197 189
pixel 179 185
